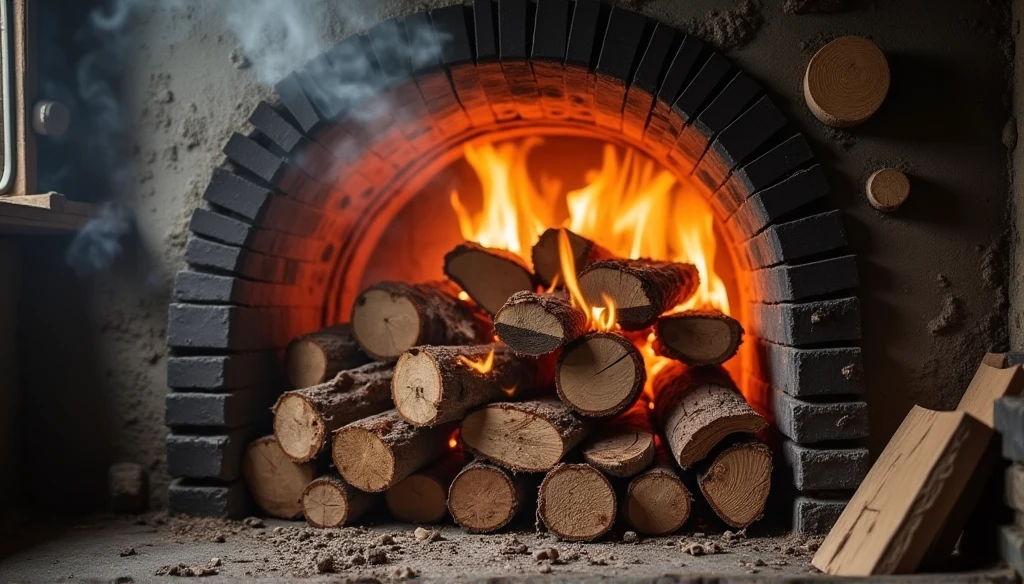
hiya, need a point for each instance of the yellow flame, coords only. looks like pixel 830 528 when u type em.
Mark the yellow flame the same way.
pixel 601 318
pixel 482 367
pixel 452 442
pixel 463 296
pixel 453 439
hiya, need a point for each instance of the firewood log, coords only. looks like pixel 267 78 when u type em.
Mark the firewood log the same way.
pixel 317 357
pixel 600 374
pixel 274 481
pixel 698 337
pixel 527 436
pixel 484 497
pixel 390 318
pixel 737 481
pixel 422 497
pixel 546 262
pixel 537 324
pixel 657 501
pixel 433 385
pixel 488 276
pixel 374 453
pixel 624 445
pixel 576 502
pixel 642 290
pixel 304 418
pixel 697 407
pixel 331 502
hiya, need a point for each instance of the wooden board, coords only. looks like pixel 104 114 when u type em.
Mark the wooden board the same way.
pixel 988 385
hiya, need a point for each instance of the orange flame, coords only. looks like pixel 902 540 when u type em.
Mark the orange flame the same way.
pixel 482 367
pixel 601 318
pixel 453 439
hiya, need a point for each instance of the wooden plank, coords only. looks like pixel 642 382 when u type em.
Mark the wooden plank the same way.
pixel 988 385
pixel 23 73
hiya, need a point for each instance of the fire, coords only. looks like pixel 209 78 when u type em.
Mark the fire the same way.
pixel 453 439
pixel 601 318
pixel 482 367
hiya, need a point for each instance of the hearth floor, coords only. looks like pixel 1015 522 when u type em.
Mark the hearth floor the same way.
pixel 138 549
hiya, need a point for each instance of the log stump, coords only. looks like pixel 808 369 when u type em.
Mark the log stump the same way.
pixel 576 502
pixel 698 337
pixel 422 497
pixel 275 482
pixel 600 374
pixel 846 81
pixel 317 357
pixel 484 498
pixel 623 446
pixel 330 502
pixel 737 481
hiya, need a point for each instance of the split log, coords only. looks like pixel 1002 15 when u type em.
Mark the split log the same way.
pixel 624 446
pixel 484 497
pixel 488 276
pixel 846 81
pixel 433 385
pixel 331 502
pixel 737 482
pixel 304 418
pixel 642 290
pixel 546 261
pixel 697 407
pixel 537 324
pixel 698 337
pixel 274 481
pixel 374 453
pixel 576 502
pixel 390 318
pixel 317 357
pixel 600 374
pixel 422 497
pixel 527 436
pixel 657 501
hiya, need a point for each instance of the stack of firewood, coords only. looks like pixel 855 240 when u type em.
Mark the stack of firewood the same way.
pixel 535 386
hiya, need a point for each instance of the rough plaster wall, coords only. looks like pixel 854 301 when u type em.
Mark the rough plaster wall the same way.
pixel 942 122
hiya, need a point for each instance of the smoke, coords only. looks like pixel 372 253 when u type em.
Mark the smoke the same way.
pixel 98 243
pixel 277 36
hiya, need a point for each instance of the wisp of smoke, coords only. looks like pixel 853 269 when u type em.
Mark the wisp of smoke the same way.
pixel 98 243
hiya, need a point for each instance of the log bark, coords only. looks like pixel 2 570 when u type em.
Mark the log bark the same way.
pixel 600 374
pixel 390 318
pixel 275 482
pixel 304 418
pixel 537 324
pixel 317 357
pixel 698 337
pixel 527 436
pixel 657 501
pixel 374 453
pixel 484 498
pixel 642 290
pixel 623 446
pixel 737 481
pixel 576 502
pixel 422 497
pixel 697 407
pixel 331 502
pixel 434 385
pixel 546 262
pixel 488 276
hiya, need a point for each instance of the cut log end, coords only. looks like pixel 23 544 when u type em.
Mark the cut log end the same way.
pixel 642 290
pixel 416 387
pixel 600 374
pixel 299 428
pixel 846 81
pixel 274 481
pixel 314 358
pixel 329 502
pixel 657 502
pixel 737 482
pixel 363 459
pixel 537 324
pixel 385 325
pixel 546 261
pixel 488 276
pixel 887 189
pixel 699 337
pixel 621 453
pixel 576 502
pixel 484 498
pixel 418 498
pixel 523 436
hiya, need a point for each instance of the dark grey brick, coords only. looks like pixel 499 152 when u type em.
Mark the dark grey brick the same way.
pixel 621 44
pixel 1009 421
pixel 418 26
pixel 550 30
pixel 702 88
pixel 795 240
pixel 683 67
pixel 512 30
pixel 809 323
pixel 723 109
pixel 655 59
pixel 814 372
pixel 235 328
pixel 220 227
pixel 197 499
pixel 226 411
pixel 583 32
pixel 786 283
pixel 245 152
pixel 826 469
pixel 238 195
pixel 452 34
pixel 813 516
pixel 1014 358
pixel 221 372
pixel 752 131
pixel 1011 547
pixel 297 102
pixel 204 253
pixel 272 125
pixel 200 287
pixel 772 204
pixel 485 30
pixel 208 457
pixel 760 173
pixel 807 422
pixel 390 47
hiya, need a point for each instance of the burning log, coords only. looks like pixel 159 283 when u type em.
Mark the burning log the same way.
pixel 484 497
pixel 274 481
pixel 390 318
pixel 657 501
pixel 537 324
pixel 331 502
pixel 374 453
pixel 304 418
pixel 576 502
pixel 600 374
pixel 434 385
pixel 642 290
pixel 546 262
pixel 422 497
pixel 488 276
pixel 314 358
pixel 698 337
pixel 697 408
pixel 737 482
pixel 624 446
pixel 527 436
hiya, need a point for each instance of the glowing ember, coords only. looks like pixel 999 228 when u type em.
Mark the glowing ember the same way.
pixel 484 366
pixel 453 440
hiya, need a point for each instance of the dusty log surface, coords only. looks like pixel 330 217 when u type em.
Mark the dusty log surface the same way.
pixel 698 337
pixel 304 418
pixel 657 501
pixel 527 436
pixel 390 318
pixel 331 502
pixel 546 263
pixel 537 324
pixel 624 445
pixel 317 357
pixel 483 498
pixel 600 374
pixel 433 385
pixel 737 481
pixel 697 407
pixel 642 290
pixel 488 276
pixel 274 481
pixel 374 453
pixel 422 497
pixel 576 502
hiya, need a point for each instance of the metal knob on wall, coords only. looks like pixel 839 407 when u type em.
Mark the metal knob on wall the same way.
pixel 50 118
